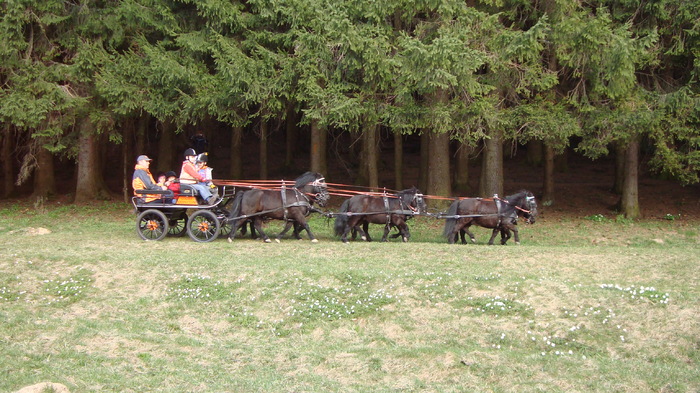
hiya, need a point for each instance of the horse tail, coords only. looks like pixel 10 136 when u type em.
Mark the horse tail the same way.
pixel 451 221
pixel 341 220
pixel 236 208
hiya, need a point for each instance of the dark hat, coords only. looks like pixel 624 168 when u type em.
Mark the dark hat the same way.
pixel 190 152
pixel 170 173
pixel 142 158
pixel 203 157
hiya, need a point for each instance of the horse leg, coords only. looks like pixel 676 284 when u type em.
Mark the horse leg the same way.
pixel 365 230
pixel 462 235
pixel 234 227
pixel 258 227
pixel 495 232
pixel 404 231
pixel 308 231
pixel 297 230
pixel 387 228
pixel 505 235
pixel 471 235
pixel 287 226
pixel 515 234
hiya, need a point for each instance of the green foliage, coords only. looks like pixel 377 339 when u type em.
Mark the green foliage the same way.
pixel 605 70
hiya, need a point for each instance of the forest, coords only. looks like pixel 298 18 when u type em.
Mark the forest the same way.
pixel 279 87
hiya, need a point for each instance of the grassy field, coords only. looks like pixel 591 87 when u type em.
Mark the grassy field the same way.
pixel 584 304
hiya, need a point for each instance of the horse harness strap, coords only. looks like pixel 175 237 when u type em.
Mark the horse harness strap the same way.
pixel 498 209
pixel 386 208
pixel 284 200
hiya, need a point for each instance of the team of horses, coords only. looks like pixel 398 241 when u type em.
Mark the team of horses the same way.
pixel 294 204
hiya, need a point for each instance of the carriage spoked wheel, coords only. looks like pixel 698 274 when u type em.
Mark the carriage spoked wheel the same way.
pixel 152 225
pixel 225 229
pixel 178 227
pixel 203 226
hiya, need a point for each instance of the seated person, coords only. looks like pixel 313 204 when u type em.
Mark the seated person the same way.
pixel 143 180
pixel 189 176
pixel 172 183
pixel 205 171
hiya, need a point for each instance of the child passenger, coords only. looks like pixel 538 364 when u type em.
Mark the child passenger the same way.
pixel 173 184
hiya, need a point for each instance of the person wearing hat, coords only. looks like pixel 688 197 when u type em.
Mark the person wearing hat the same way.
pixel 143 180
pixel 172 183
pixel 190 177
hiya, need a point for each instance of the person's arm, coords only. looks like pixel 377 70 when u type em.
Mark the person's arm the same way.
pixel 146 180
pixel 192 172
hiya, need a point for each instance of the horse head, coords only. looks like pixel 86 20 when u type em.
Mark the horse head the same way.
pixel 414 198
pixel 525 203
pixel 314 183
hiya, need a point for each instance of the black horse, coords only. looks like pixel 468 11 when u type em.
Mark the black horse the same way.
pixel 499 214
pixel 389 210
pixel 290 204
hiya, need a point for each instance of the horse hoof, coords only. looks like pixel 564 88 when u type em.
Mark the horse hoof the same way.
pixel 268 241
pixel 473 241
pixel 517 243
pixel 364 238
pixel 230 240
pixel 277 240
pixel 314 240
pixel 405 239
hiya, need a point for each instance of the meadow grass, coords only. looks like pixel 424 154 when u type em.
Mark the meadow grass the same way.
pixel 582 305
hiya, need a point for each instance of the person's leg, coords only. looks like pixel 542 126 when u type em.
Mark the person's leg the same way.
pixel 202 190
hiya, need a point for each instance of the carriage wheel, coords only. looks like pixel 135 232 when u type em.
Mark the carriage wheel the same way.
pixel 178 227
pixel 152 225
pixel 203 226
pixel 225 229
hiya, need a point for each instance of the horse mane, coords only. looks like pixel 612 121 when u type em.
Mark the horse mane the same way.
pixel 409 191
pixel 518 195
pixel 306 178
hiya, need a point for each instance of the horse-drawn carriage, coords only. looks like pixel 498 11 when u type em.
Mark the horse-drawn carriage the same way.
pixel 241 202
pixel 238 203
pixel 168 216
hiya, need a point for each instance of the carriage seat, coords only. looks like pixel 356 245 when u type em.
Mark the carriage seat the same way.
pixel 162 194
pixel 188 190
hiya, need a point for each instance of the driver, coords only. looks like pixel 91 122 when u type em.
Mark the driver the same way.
pixel 191 177
pixel 143 180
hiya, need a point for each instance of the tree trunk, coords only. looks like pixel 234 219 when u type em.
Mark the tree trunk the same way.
pixel 165 150
pixel 263 149
pixel 534 153
pixel 7 167
pixel 548 196
pixel 491 181
pixel 236 165
pixel 44 179
pixel 141 132
pixel 128 156
pixel 620 157
pixel 398 161
pixel 292 135
pixel 630 187
pixel 439 165
pixel 371 147
pixel 423 169
pixel 461 173
pixel 319 139
pixel 90 184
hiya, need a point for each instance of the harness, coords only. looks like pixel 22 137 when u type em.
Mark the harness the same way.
pixel 386 208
